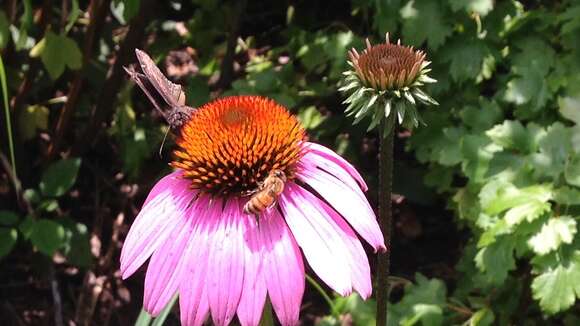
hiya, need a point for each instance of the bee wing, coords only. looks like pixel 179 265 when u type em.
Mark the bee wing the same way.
pixel 143 83
pixel 172 93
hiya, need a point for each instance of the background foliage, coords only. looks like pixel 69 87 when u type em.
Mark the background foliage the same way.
pixel 486 219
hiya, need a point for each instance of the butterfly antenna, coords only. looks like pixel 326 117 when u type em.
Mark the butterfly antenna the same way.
pixel 163 143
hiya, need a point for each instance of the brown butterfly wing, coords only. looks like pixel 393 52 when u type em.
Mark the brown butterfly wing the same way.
pixel 171 92
pixel 143 83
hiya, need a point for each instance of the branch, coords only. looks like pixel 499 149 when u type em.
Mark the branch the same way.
pixel 227 67
pixel 98 11
pixel 105 106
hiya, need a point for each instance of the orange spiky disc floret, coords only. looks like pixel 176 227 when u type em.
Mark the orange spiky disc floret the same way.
pixel 231 144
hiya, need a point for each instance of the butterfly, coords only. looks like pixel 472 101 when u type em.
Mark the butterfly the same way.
pixel 152 82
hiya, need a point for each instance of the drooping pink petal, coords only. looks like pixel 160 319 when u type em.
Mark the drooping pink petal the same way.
pixel 353 207
pixel 283 268
pixel 332 162
pixel 314 162
pixel 226 270
pixel 167 263
pixel 193 298
pixel 254 289
pixel 359 263
pixel 323 247
pixel 156 220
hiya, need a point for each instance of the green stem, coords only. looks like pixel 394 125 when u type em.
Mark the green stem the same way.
pixel 385 220
pixel 322 293
pixel 7 113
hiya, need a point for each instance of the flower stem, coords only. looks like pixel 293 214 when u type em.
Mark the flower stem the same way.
pixel 322 293
pixel 385 217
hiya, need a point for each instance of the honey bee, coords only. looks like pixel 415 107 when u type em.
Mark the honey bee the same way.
pixel 267 193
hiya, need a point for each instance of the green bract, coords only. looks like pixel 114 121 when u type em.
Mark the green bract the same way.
pixel 385 83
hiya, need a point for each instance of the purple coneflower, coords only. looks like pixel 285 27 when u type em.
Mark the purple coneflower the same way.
pixel 222 261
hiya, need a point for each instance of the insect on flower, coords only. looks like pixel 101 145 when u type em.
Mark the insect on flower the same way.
pixel 267 193
pixel 152 82
pixel 221 261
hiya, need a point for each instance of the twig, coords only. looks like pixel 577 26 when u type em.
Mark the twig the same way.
pixel 98 11
pixel 16 184
pixel 385 220
pixel 115 77
pixel 227 66
pixel 56 299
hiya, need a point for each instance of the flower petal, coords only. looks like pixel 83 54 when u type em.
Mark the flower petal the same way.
pixel 164 208
pixel 193 298
pixel 283 268
pixel 254 289
pixel 332 162
pixel 322 245
pixel 359 263
pixel 353 207
pixel 167 263
pixel 226 271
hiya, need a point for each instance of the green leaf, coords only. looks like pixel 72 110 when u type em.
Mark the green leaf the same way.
pixel 47 236
pixel 557 286
pixel 362 312
pixel 77 246
pixel 310 117
pixel 497 259
pixel 59 177
pixel 8 218
pixel 8 239
pixel 483 117
pixel 570 109
pixel 569 19
pixel 57 52
pixel 423 302
pixel 32 119
pixel 424 20
pixel 511 135
pixel 567 196
pixel 483 317
pixel 527 211
pixel 477 151
pixel 572 170
pixel 482 7
pixel 4 30
pixel 465 57
pixel 555 232
pixel 450 153
pixel 555 147
pixel 499 195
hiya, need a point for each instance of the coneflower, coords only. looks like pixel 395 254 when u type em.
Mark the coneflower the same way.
pixel 385 84
pixel 222 261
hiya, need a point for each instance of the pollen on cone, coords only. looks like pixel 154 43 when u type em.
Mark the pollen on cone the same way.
pixel 230 145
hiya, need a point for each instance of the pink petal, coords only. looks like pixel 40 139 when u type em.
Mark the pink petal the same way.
pixel 167 263
pixel 359 263
pixel 164 208
pixel 254 289
pixel 350 204
pixel 226 270
pixel 283 268
pixel 322 245
pixel 332 162
pixel 193 298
